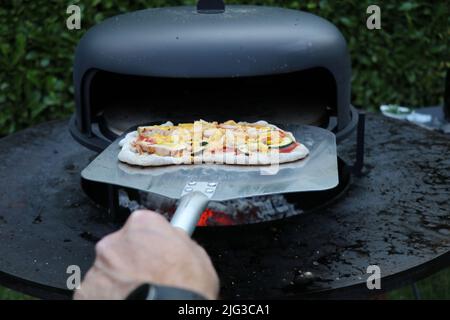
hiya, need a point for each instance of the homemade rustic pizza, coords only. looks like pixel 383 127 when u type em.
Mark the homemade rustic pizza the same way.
pixel 240 143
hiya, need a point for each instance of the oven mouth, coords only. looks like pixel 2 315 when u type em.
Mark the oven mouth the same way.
pixel 119 102
pixel 114 102
pixel 113 122
pixel 119 202
pixel 101 135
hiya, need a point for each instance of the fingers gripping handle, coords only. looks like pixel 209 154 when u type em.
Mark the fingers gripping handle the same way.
pixel 186 216
pixel 189 211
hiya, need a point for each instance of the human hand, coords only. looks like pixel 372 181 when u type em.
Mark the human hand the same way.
pixel 148 250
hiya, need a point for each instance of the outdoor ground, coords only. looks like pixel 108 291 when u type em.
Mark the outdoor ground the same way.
pixel 436 286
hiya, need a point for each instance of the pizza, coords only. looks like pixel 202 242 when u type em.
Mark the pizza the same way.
pixel 230 142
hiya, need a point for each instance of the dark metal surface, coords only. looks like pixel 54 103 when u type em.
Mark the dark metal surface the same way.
pixel 395 216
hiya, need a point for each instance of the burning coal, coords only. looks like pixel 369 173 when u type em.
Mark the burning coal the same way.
pixel 231 212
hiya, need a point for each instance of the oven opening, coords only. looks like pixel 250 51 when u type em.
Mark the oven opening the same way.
pixel 122 101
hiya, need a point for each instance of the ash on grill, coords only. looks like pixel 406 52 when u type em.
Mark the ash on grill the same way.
pixel 232 212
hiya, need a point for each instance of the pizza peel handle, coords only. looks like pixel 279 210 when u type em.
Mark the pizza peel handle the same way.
pixel 189 211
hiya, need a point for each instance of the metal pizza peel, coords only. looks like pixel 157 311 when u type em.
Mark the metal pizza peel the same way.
pixel 196 185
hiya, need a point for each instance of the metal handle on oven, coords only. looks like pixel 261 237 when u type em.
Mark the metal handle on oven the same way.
pixel 210 6
pixel 189 210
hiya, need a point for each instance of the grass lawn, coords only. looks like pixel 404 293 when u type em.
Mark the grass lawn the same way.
pixel 8 294
pixel 436 286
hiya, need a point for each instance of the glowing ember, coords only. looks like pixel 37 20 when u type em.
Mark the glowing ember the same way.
pixel 210 217
pixel 231 212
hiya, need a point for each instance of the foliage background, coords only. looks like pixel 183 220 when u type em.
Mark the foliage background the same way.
pixel 402 63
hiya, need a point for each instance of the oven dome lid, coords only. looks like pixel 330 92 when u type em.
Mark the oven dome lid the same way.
pixel 241 41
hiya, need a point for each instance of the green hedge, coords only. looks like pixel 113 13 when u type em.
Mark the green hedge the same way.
pixel 403 63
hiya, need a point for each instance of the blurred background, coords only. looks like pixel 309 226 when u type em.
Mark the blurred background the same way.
pixel 403 63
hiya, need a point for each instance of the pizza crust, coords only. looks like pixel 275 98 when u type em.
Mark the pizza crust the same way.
pixel 128 154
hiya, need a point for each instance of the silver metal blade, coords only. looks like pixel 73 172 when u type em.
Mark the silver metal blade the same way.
pixel 316 172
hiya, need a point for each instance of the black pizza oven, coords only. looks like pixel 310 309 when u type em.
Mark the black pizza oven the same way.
pixel 212 62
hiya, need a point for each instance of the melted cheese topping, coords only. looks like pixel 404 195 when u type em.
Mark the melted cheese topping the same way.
pixel 201 136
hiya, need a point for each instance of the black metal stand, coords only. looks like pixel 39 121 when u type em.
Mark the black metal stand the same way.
pixel 113 203
pixel 416 291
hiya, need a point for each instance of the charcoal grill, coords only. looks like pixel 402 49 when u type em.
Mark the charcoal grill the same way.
pixel 215 63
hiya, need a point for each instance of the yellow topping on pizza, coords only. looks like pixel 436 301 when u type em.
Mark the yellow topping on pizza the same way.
pixel 214 138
